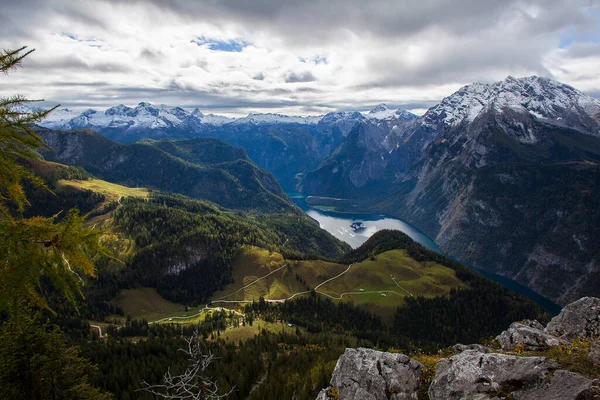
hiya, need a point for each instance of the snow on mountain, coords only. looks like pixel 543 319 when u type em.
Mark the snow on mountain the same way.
pixel 339 116
pixel 269 118
pixel 212 119
pixel 142 116
pixel 148 116
pixel 382 111
pixel 344 121
pixel 59 117
pixel 541 98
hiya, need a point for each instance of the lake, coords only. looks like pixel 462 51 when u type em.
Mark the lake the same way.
pixel 355 229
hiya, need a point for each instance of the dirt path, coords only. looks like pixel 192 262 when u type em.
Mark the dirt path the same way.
pixel 394 279
pixel 358 293
pixel 250 284
pixel 99 330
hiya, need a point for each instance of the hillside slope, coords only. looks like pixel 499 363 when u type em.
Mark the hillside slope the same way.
pixel 226 177
pixel 502 176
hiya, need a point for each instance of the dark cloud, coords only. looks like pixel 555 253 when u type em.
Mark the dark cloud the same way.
pixel 73 63
pixel 312 21
pixel 457 42
pixel 304 76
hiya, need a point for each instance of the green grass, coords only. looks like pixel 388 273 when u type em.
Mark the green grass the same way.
pixel 111 191
pixel 419 279
pixel 235 334
pixel 254 263
pixel 147 303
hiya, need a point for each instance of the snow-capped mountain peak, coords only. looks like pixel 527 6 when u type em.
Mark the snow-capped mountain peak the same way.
pixel 270 118
pixel 541 98
pixel 197 113
pixel 379 108
pixel 382 111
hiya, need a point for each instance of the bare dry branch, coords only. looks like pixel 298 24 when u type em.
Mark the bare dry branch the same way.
pixel 193 384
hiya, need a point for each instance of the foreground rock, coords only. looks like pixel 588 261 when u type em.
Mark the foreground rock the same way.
pixel 476 375
pixel 563 385
pixel 529 334
pixel 475 372
pixel 365 374
pixel 580 319
pixel 594 355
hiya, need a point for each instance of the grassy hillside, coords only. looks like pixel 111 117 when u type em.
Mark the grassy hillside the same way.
pixel 111 191
pixel 379 284
pixel 260 273
pixel 209 169
pixel 180 246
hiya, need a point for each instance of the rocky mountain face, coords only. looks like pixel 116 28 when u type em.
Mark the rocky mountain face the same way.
pixel 282 144
pixel 479 372
pixel 203 168
pixel 502 176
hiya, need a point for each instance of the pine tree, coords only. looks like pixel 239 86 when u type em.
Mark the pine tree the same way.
pixel 33 247
pixel 35 361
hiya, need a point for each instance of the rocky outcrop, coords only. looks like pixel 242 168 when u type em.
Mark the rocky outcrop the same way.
pixel 580 319
pixel 459 348
pixel 365 374
pixel 529 334
pixel 472 374
pixel 477 372
pixel 476 375
pixel 563 385
pixel 594 355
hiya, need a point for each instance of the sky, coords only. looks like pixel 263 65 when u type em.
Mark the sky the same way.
pixel 305 57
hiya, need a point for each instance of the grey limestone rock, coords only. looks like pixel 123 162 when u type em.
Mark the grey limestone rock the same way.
pixel 365 374
pixel 475 375
pixel 563 385
pixel 459 348
pixel 580 319
pixel 530 334
pixel 594 355
pixel 322 395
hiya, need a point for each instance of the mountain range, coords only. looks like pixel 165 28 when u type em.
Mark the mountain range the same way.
pixel 284 145
pixel 503 176
pixel 163 120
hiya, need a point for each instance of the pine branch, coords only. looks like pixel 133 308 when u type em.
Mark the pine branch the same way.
pixel 11 59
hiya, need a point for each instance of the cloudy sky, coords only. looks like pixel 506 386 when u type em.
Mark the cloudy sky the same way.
pixel 295 57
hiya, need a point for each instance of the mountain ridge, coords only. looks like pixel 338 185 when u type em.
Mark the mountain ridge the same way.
pixel 442 173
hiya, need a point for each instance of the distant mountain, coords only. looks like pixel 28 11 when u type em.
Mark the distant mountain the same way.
pixel 258 118
pixel 382 111
pixel 203 168
pixel 503 176
pixel 282 144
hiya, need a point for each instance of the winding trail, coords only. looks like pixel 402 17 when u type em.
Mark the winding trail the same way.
pixel 222 299
pixel 355 293
pixel 252 283
pixel 100 335
pixel 394 279
pixel 335 277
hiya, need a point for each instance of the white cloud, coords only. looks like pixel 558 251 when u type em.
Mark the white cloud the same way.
pixel 296 57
